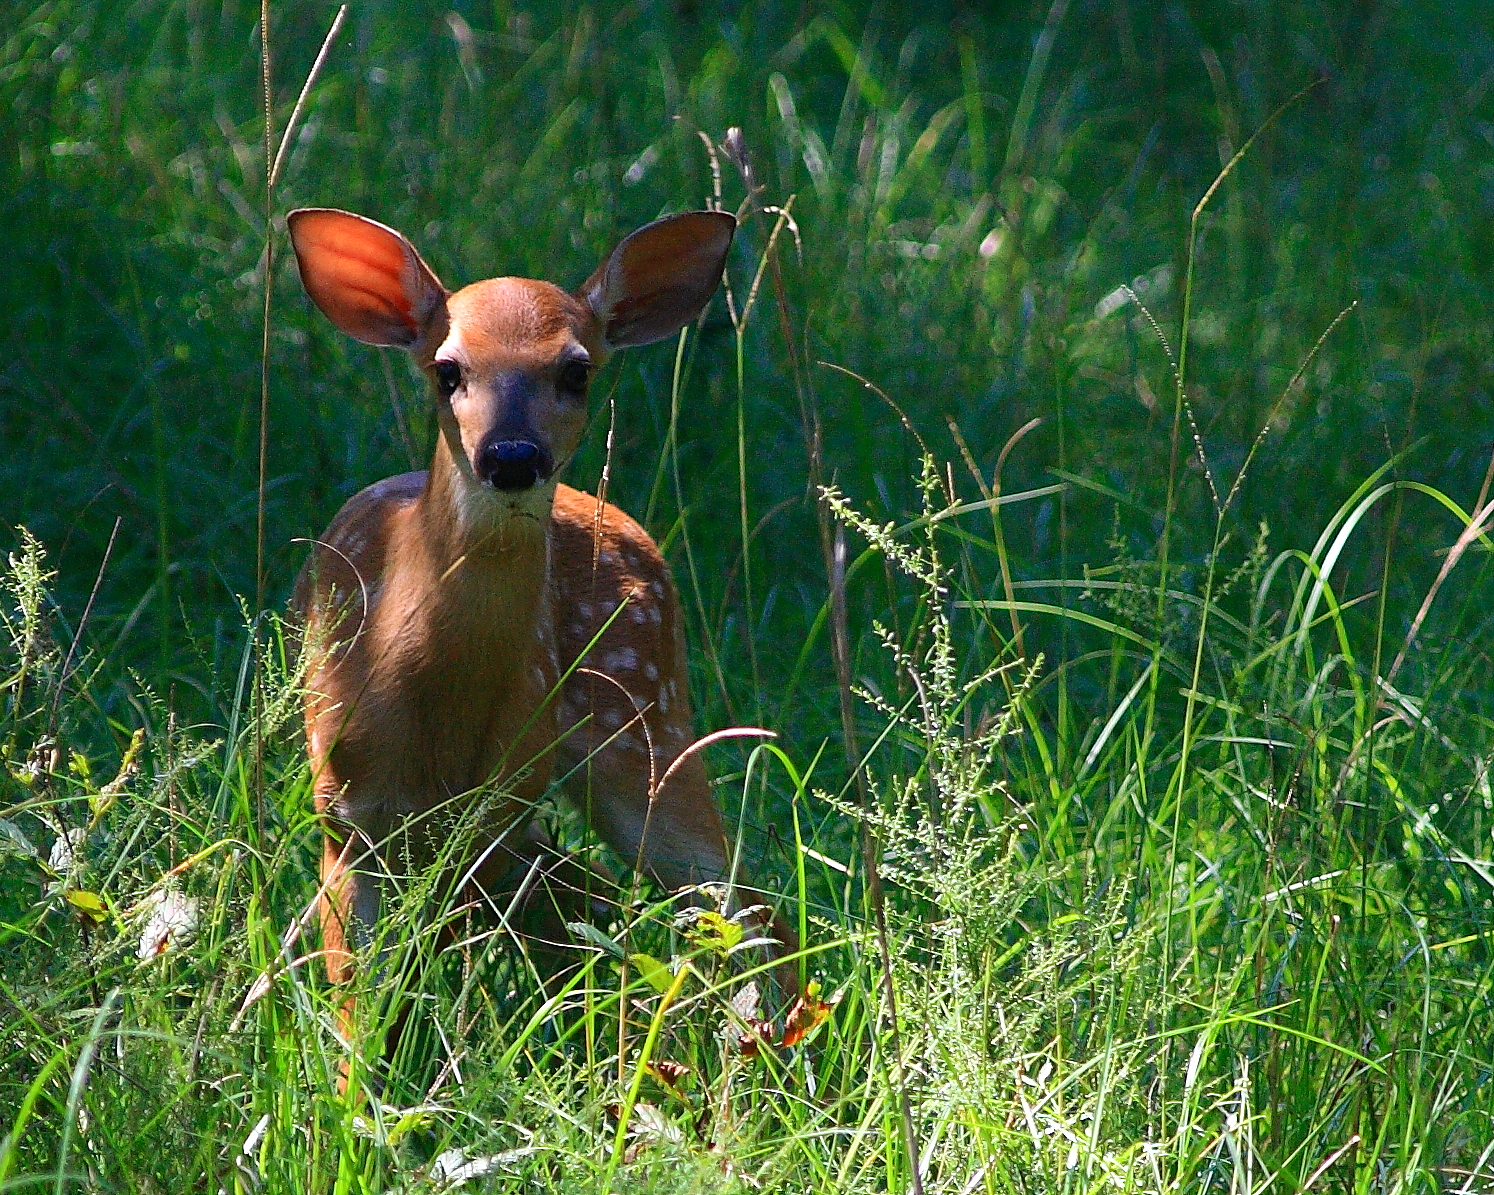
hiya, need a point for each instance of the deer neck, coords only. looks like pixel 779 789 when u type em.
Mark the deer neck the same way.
pixel 484 564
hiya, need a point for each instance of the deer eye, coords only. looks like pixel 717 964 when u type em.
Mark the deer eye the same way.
pixel 572 378
pixel 448 377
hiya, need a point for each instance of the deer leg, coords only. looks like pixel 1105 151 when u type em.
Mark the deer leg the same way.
pixel 349 911
pixel 676 837
pixel 534 890
pixel 530 886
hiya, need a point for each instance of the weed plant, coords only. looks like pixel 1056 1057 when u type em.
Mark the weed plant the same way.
pixel 1132 794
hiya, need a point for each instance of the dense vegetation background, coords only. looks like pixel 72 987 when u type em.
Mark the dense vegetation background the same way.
pixel 1212 912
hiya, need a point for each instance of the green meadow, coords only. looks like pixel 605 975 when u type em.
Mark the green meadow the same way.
pixel 1086 472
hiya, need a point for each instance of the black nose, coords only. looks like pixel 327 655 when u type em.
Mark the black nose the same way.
pixel 513 464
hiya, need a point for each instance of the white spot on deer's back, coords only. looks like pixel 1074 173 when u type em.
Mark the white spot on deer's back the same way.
pixel 657 589
pixel 638 614
pixel 663 702
pixel 584 609
pixel 653 615
pixel 651 671
pixel 612 718
pixel 620 659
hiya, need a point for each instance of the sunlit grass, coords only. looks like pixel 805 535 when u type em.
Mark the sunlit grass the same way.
pixel 1172 706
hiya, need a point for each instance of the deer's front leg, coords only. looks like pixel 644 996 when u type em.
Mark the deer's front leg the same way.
pixel 349 902
pixel 349 912
pixel 652 803
pixel 533 889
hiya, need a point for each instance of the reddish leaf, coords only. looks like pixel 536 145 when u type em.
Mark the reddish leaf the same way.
pixel 808 1014
pixel 751 1040
pixel 671 1074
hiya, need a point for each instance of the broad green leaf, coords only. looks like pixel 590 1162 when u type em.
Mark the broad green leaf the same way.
pixel 653 972
pixel 587 932
pixel 714 932
pixel 89 905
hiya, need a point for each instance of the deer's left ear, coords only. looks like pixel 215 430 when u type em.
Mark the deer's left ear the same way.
pixel 659 278
pixel 367 278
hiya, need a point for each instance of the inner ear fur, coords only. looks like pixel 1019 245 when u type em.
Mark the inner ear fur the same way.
pixel 366 277
pixel 659 278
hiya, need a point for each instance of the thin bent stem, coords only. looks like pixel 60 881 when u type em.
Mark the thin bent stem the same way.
pixel 264 419
pixel 1177 785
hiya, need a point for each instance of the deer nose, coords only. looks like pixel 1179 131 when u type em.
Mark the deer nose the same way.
pixel 513 464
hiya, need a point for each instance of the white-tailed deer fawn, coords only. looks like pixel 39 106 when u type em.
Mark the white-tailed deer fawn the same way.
pixel 444 608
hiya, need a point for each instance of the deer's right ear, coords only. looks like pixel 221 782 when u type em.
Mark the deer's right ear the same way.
pixel 657 279
pixel 366 278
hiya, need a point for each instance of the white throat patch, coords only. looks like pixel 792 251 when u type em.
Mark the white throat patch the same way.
pixel 483 512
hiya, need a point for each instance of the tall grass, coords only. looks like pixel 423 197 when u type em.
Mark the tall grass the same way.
pixel 1173 710
pixel 1271 973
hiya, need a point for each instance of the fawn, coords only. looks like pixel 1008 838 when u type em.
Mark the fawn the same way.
pixel 443 608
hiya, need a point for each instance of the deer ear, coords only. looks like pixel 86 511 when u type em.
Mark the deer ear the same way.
pixel 659 278
pixel 366 278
